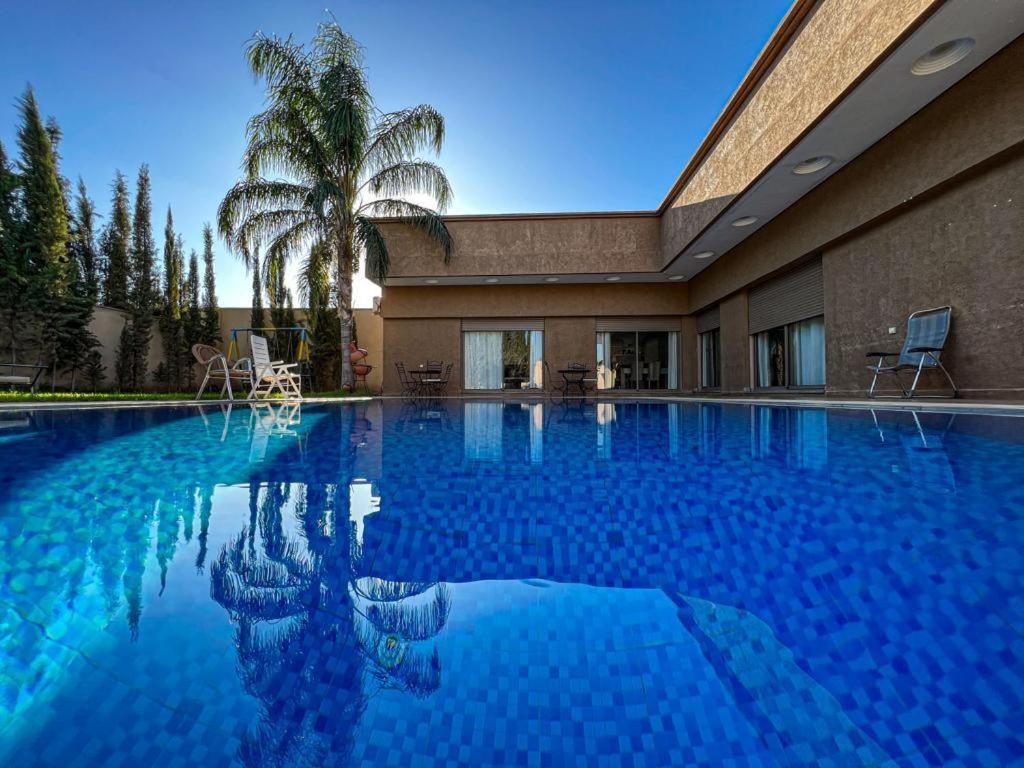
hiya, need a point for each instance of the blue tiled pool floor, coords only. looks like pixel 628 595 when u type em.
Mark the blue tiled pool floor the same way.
pixel 495 584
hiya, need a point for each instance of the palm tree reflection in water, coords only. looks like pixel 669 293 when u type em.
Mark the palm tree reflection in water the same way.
pixel 315 642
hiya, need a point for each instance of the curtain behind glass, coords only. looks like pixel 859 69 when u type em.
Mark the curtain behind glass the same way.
pixel 709 366
pixel 807 352
pixel 604 361
pixel 764 361
pixel 482 359
pixel 673 361
pixel 537 359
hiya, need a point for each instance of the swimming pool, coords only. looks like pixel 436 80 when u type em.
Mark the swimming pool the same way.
pixel 478 583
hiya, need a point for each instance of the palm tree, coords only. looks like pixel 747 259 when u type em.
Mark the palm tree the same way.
pixel 323 163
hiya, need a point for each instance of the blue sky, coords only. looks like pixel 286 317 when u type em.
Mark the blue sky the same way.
pixel 549 105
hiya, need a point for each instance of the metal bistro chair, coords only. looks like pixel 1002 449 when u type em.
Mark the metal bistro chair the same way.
pixel 927 332
pixel 438 385
pixel 409 387
pixel 552 381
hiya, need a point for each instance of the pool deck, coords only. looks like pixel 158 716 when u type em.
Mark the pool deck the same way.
pixel 991 407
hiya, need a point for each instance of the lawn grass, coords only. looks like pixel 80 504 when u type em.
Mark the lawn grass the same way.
pixel 114 397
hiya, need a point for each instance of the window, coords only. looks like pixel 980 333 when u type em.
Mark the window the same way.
pixel 710 359
pixel 636 360
pixel 503 359
pixel 791 355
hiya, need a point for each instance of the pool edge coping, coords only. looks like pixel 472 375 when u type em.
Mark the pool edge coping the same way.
pixel 991 409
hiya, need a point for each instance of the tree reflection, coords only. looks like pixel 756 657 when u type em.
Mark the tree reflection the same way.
pixel 315 642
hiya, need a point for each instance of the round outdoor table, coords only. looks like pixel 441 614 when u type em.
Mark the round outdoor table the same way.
pixel 424 373
pixel 574 377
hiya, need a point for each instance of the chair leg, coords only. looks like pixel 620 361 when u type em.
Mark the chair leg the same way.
pixel 227 379
pixel 874 381
pixel 956 390
pixel 917 375
pixel 202 387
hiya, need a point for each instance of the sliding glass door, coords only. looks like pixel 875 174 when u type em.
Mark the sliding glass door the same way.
pixel 503 359
pixel 637 360
pixel 791 355
pixel 710 359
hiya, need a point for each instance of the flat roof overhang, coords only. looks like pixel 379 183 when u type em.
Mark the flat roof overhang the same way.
pixel 883 97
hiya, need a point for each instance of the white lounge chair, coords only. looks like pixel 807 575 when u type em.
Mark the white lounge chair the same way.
pixel 268 375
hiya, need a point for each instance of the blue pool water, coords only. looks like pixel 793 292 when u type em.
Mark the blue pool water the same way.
pixel 393 584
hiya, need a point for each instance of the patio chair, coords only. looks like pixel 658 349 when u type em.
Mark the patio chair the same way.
pixel 552 381
pixel 438 385
pixel 217 369
pixel 268 375
pixel 409 387
pixel 927 331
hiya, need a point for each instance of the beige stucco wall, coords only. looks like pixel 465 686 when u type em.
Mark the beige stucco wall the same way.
pixel 839 41
pixel 536 246
pixel 107 324
pixel 535 300
pixel 423 323
pixel 931 215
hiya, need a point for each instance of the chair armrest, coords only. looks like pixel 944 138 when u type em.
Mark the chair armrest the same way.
pixel 279 364
pixel 925 349
pixel 242 364
pixel 881 354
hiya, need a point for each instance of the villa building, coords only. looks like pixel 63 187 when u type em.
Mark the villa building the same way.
pixel 870 164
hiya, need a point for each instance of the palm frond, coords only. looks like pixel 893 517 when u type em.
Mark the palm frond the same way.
pixel 424 219
pixel 292 240
pixel 252 196
pixel 265 226
pixel 408 176
pixel 314 277
pixel 401 135
pixel 282 63
pixel 374 247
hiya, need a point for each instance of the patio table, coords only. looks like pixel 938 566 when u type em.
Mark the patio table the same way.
pixel 574 377
pixel 421 373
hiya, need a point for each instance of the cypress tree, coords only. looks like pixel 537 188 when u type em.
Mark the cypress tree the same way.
pixel 134 351
pixel 193 311
pixel 115 243
pixel 45 231
pixel 193 307
pixel 211 313
pixel 78 341
pixel 171 326
pixel 172 270
pixel 84 241
pixel 14 266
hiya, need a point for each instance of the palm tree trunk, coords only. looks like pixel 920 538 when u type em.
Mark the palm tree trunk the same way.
pixel 345 314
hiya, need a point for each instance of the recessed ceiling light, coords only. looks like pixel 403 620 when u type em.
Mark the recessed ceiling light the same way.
pixel 744 221
pixel 812 164
pixel 431 281
pixel 491 280
pixel 550 279
pixel 943 56
pixel 704 255
pixel 613 279
pixel 676 277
